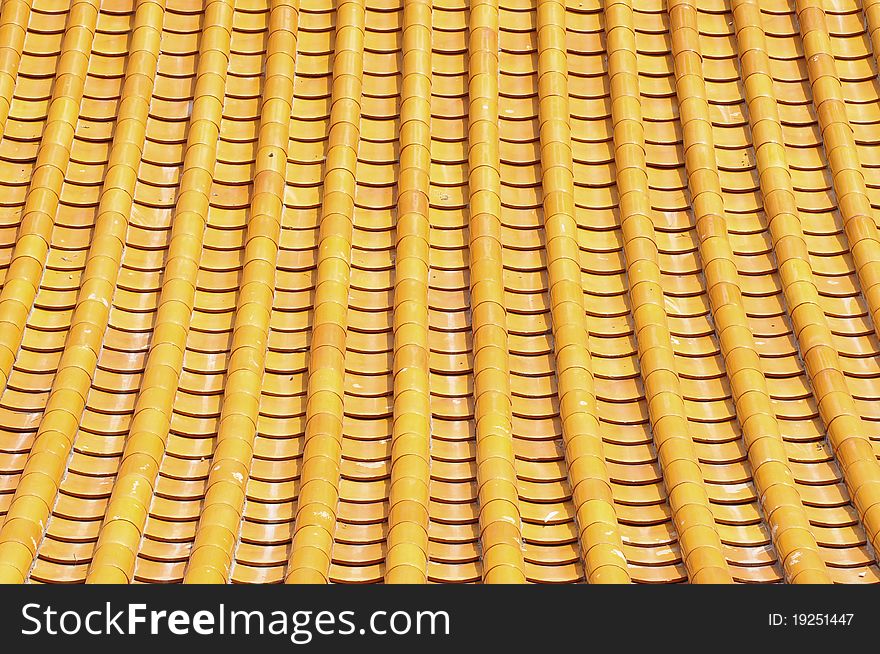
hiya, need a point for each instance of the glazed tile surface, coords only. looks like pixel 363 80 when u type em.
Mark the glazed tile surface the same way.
pixel 439 291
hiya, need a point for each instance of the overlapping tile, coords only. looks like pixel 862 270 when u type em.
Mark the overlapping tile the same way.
pixel 450 291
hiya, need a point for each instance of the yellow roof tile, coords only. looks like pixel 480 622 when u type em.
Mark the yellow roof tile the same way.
pixel 436 290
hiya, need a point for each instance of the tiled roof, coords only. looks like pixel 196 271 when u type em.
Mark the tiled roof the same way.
pixel 365 290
